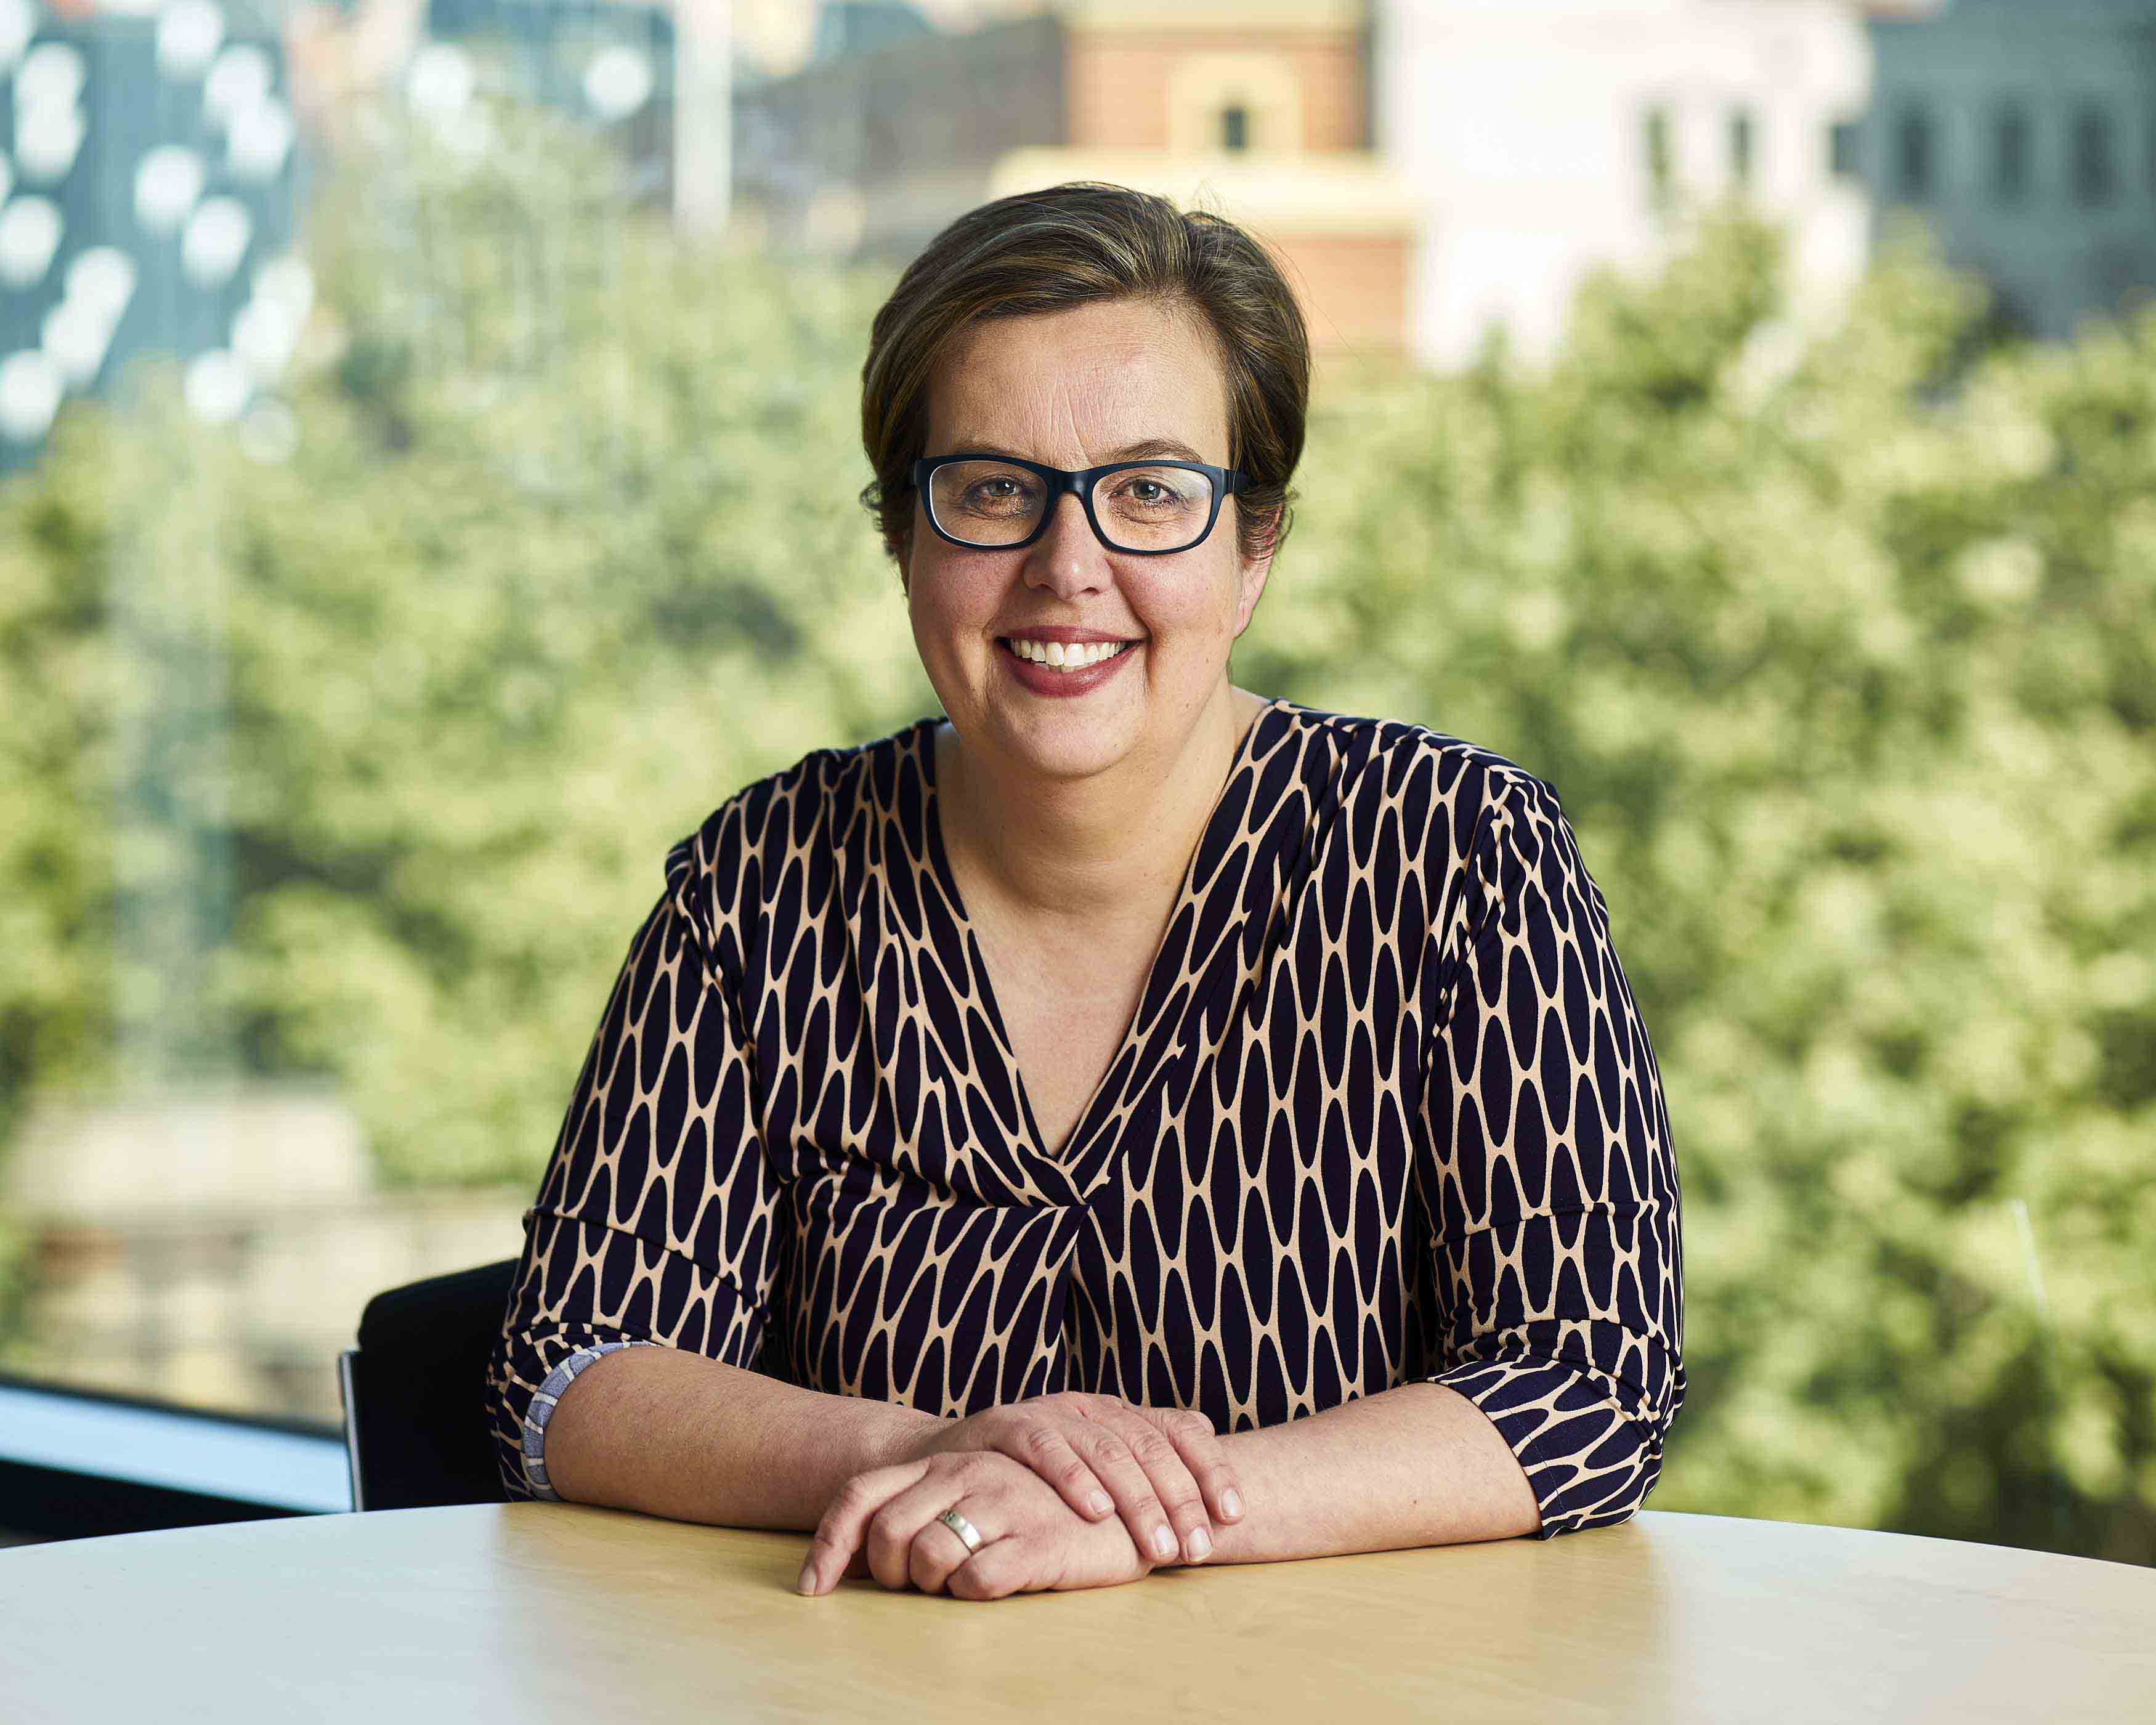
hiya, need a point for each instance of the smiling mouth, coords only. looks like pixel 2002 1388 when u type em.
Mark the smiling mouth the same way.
pixel 1092 653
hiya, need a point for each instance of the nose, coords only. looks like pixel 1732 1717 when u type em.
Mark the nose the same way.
pixel 1067 557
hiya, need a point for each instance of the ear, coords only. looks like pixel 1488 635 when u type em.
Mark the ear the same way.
pixel 1250 577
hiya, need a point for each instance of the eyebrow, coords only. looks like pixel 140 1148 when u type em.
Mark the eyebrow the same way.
pixel 1166 447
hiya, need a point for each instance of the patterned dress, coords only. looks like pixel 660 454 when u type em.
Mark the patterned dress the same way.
pixel 1386 1113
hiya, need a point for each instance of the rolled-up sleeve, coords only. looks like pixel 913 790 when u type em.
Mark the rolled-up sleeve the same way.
pixel 656 1222
pixel 1546 1161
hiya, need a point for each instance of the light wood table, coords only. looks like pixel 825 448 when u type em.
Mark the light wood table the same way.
pixel 533 1612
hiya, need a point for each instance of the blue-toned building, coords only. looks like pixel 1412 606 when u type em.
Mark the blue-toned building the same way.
pixel 152 173
pixel 2024 131
pixel 612 64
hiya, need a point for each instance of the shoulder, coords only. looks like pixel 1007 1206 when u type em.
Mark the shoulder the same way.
pixel 776 838
pixel 1427 795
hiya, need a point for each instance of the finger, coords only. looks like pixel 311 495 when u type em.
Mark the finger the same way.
pixel 903 1542
pixel 1172 1483
pixel 1046 1449
pixel 840 1534
pixel 906 1545
pixel 1206 1456
pixel 937 1553
pixel 1129 1483
pixel 994 1572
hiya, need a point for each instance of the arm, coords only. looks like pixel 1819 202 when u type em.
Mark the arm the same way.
pixel 624 1374
pixel 1417 1465
pixel 1544 1157
pixel 672 1434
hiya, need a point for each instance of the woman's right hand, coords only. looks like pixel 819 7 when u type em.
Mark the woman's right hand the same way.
pixel 1159 1467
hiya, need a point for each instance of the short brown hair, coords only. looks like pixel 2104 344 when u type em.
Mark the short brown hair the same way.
pixel 1076 244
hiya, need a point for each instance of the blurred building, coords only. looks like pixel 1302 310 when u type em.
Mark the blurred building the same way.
pixel 147 196
pixel 1545 138
pixel 2024 131
pixel 216 1246
pixel 620 67
pixel 776 39
pixel 1258 109
pixel 609 62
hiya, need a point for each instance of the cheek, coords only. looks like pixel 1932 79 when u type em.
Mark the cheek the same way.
pixel 949 596
pixel 1190 603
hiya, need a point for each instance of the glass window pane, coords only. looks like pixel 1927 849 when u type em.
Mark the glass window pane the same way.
pixel 2009 175
pixel 1657 153
pixel 2095 175
pixel 1915 150
pixel 339 421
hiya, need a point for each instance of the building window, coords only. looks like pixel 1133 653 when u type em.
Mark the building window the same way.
pixel 1916 148
pixel 1241 102
pixel 1845 143
pixel 1743 145
pixel 1661 166
pixel 2096 168
pixel 2009 154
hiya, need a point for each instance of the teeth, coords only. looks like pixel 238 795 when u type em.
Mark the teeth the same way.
pixel 1074 657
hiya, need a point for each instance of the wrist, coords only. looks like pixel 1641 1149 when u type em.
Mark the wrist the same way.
pixel 896 1434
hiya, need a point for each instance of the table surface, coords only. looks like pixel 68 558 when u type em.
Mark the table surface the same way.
pixel 561 1611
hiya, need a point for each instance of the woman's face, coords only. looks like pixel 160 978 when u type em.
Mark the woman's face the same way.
pixel 1081 388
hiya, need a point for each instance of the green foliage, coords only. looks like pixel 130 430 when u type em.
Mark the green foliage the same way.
pixel 1837 643
pixel 568 550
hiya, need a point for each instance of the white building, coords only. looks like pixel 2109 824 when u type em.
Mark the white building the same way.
pixel 2024 131
pixel 1547 137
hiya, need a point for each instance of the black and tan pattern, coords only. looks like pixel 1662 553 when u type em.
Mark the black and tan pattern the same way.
pixel 1386 1113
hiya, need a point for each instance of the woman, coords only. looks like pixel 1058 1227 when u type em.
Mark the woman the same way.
pixel 1011 1139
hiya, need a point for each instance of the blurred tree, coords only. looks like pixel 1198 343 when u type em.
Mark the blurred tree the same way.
pixel 566 551
pixel 1837 646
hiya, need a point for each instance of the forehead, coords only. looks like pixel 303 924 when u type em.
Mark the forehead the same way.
pixel 1068 387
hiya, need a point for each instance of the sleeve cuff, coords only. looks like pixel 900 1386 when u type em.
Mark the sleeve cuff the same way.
pixel 1589 1456
pixel 542 1410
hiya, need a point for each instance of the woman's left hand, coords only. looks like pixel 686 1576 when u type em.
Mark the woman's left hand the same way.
pixel 882 1524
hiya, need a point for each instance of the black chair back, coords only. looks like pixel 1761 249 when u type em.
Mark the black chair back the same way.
pixel 414 1392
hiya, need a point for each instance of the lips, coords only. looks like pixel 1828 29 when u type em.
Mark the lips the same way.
pixel 1052 681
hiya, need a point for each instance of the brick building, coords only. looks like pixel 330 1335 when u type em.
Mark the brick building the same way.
pixel 1258 109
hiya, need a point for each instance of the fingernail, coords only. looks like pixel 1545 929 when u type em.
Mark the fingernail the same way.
pixel 806 1583
pixel 1231 1502
pixel 1100 1503
pixel 1201 1543
pixel 1164 1543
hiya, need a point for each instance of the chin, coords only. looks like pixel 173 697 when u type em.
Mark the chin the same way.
pixel 1070 749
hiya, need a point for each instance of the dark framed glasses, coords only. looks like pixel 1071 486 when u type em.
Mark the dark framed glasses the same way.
pixel 1143 508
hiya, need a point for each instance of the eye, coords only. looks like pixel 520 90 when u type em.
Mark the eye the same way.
pixel 1145 491
pixel 997 488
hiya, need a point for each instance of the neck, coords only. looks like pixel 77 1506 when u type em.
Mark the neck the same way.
pixel 1086 851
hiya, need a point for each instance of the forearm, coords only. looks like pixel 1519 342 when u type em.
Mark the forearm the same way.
pixel 669 1432
pixel 1417 1465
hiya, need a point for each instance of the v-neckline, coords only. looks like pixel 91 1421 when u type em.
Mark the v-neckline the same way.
pixel 1066 1159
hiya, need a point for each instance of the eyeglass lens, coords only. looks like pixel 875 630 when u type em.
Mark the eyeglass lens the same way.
pixel 991 503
